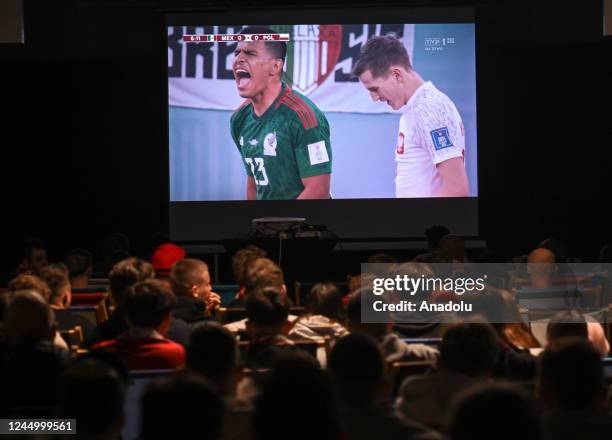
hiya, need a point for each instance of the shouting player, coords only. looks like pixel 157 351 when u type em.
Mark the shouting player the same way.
pixel 282 136
pixel 431 140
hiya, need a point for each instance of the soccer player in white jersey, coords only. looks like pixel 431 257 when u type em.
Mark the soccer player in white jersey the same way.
pixel 431 141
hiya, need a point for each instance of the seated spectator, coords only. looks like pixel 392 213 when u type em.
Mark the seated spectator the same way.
pixel 468 355
pixel 495 412
pixel 56 277
pixel 357 365
pixel 573 391
pixel 415 324
pixel 125 274
pixel 34 283
pixel 393 347
pixel 29 282
pixel 541 268
pixel 267 310
pixel 566 324
pixel 557 247
pixel 220 369
pixel 80 267
pixel 164 256
pixel 34 257
pixel 297 409
pixel 499 307
pixel 182 406
pixel 240 262
pixel 143 346
pixel 195 300
pixel 324 315
pixel 32 367
pixel 93 393
pixel 260 273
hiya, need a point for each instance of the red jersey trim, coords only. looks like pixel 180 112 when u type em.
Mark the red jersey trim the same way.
pixel 298 111
pixel 309 112
pixel 280 99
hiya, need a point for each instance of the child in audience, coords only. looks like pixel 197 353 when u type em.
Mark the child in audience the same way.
pixel 498 412
pixel 195 300
pixel 36 284
pixel 144 346
pixel 80 267
pixel 267 310
pixel 357 365
pixel 181 406
pixel 324 315
pixel 468 355
pixel 573 391
pixel 56 277
pixel 240 263
pixel 31 369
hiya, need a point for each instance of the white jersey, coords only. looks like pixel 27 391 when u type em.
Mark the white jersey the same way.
pixel 430 132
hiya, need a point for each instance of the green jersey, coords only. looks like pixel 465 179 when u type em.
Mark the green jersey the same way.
pixel 289 142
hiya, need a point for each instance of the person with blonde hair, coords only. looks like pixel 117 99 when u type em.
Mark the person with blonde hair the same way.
pixel 190 282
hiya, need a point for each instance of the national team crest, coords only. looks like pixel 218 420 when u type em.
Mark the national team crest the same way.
pixel 270 144
pixel 312 55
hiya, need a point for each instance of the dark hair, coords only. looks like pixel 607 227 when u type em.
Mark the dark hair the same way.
pixel 212 352
pixel 93 392
pixel 571 375
pixel 568 323
pixel 28 318
pixel 78 261
pixel 182 406
pixel 30 282
pixel 276 49
pixel 282 397
pixel 379 54
pixel 148 303
pixel 56 277
pixel 126 273
pixel 357 364
pixel 470 348
pixel 267 306
pixel 325 299
pixel 241 260
pixel 353 313
pixel 262 272
pixel 494 411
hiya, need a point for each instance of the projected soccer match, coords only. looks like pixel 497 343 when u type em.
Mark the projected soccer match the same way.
pixel 322 111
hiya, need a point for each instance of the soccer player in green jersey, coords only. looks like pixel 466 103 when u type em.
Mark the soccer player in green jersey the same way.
pixel 282 136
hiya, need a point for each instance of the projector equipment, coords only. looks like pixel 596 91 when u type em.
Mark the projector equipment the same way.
pixel 311 231
pixel 277 226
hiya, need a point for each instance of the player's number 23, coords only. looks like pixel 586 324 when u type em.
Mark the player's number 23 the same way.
pixel 259 162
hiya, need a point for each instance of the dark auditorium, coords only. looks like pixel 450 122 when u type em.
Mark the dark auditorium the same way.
pixel 333 220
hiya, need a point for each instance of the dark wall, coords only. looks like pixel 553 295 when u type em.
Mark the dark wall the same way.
pixel 84 143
